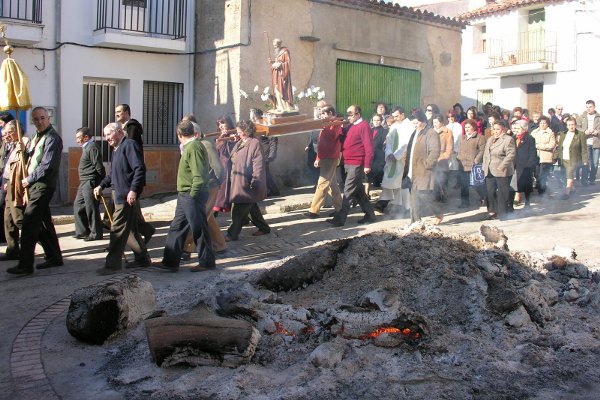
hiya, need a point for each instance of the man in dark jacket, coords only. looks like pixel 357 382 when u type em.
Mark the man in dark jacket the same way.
pixel 43 162
pixel 134 130
pixel 86 207
pixel 127 177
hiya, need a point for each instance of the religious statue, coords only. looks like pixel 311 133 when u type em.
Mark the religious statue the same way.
pixel 281 77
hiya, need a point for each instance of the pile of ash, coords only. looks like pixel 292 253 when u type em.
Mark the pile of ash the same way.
pixel 405 314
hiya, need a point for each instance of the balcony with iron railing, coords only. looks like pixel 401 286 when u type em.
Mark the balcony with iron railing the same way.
pixel 22 10
pixel 23 20
pixel 524 52
pixel 142 23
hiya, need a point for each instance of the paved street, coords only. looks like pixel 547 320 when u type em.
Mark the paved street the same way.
pixel 31 303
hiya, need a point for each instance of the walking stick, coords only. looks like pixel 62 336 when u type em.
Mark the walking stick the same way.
pixel 110 220
pixel 268 47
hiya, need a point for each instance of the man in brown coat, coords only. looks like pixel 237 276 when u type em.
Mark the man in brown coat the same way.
pixel 420 162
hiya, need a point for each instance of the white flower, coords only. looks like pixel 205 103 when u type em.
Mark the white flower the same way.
pixel 309 92
pixel 313 88
pixel 244 94
pixel 266 90
pixel 294 89
pixel 301 95
pixel 256 89
pixel 264 96
pixel 316 89
pixel 321 95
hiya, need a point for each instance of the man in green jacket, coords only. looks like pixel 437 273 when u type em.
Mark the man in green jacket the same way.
pixel 190 212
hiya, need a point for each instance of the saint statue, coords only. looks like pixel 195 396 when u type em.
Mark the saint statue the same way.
pixel 281 77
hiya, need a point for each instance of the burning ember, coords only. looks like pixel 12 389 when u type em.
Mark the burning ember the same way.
pixel 392 330
pixel 281 330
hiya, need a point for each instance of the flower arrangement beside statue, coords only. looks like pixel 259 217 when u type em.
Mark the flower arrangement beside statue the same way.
pixel 313 94
pixel 258 100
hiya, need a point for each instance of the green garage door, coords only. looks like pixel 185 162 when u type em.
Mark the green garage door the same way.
pixel 369 84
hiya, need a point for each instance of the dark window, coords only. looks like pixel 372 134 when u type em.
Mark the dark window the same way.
pixel 163 109
pixel 99 102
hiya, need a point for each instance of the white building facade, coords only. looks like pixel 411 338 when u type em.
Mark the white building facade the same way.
pixel 533 54
pixel 83 57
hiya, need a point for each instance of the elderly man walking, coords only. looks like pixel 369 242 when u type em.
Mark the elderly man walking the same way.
pixel 43 155
pixel 358 153
pixel 127 177
pixel 190 212
pixel 86 208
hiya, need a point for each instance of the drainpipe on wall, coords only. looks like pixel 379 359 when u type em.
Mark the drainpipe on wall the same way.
pixel 60 197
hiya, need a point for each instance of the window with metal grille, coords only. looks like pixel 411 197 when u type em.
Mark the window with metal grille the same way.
pixel 163 109
pixel 99 102
pixel 484 96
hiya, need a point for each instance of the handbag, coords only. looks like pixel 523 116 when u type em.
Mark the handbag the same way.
pixel 477 178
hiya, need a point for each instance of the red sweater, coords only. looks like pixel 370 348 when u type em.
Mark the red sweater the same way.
pixel 358 145
pixel 330 145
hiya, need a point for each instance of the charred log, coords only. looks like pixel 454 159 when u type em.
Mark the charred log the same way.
pixel 303 270
pixel 99 311
pixel 200 337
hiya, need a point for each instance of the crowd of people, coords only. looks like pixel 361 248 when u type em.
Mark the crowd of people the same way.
pixel 413 157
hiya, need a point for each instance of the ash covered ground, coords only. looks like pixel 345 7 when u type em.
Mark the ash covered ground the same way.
pixel 493 324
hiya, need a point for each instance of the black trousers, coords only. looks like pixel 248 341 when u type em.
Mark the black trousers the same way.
pixel 354 189
pixel 464 180
pixel 86 210
pixel 37 226
pixel 190 214
pixel 239 214
pixel 498 189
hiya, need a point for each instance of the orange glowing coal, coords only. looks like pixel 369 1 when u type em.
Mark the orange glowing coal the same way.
pixel 280 329
pixel 391 330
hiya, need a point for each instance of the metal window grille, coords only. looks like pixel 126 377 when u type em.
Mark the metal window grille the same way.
pixel 99 102
pixel 153 17
pixel 484 96
pixel 163 109
pixel 22 10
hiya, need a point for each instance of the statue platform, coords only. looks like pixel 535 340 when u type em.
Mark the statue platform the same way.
pixel 280 125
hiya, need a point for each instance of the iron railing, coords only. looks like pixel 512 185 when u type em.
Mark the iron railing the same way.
pixel 522 48
pixel 154 17
pixel 22 10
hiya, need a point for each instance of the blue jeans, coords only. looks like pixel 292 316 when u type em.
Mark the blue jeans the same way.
pixel 593 157
pixel 190 214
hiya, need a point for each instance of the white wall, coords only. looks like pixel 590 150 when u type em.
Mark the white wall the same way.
pixel 572 80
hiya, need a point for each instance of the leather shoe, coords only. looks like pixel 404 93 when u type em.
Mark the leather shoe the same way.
pixel 80 236
pixel 149 236
pixel 334 222
pixel 202 268
pixel 185 256
pixel 164 267
pixel 366 220
pixel 310 215
pixel 92 238
pixel 108 271
pixel 19 270
pixel 332 214
pixel 50 264
pixel 260 233
pixel 7 257
pixel 139 264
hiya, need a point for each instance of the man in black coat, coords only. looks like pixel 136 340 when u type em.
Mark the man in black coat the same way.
pixel 134 130
pixel 127 177
pixel 86 208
